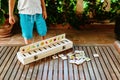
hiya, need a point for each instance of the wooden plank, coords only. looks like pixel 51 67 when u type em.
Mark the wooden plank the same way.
pixel 105 67
pixel 55 70
pixel 114 61
pixel 91 64
pixel 50 73
pixel 113 68
pixel 14 72
pixel 5 53
pixel 75 67
pixel 90 67
pixel 115 55
pixel 81 73
pixel 45 70
pixel 30 71
pixel 24 71
pixel 71 76
pixel 60 69
pixel 80 70
pixel 65 62
pixel 106 64
pixel 99 65
pixel 2 50
pixel 35 70
pixel 40 70
pixel 11 67
pixel 98 77
pixel 8 60
pixel 19 73
pixel 86 71
pixel 76 75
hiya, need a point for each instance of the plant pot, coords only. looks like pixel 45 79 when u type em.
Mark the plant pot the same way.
pixel 5 31
pixel 60 26
pixel 6 28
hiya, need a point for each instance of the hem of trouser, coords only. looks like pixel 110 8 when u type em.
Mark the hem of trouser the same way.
pixel 26 37
pixel 43 34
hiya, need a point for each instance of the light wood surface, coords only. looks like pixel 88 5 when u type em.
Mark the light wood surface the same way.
pixel 104 67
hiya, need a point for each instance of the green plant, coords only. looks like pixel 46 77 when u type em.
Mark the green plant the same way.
pixel 115 9
pixel 2 17
pixel 64 11
pixel 97 8
pixel 4 11
pixel 59 11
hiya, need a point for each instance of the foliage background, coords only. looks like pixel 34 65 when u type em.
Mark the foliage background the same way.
pixel 64 11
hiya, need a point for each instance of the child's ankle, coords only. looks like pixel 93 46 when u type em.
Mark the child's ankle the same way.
pixel 27 41
pixel 43 37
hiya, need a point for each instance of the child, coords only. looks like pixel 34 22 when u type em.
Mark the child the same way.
pixel 30 11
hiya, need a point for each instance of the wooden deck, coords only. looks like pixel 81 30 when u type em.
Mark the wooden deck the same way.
pixel 105 67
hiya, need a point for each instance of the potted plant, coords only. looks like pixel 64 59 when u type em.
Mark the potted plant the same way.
pixel 5 27
pixel 59 13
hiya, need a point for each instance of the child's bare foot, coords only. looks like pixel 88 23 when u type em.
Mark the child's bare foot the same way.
pixel 43 37
pixel 27 41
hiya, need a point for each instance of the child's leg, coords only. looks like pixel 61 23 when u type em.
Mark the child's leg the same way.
pixel 27 23
pixel 28 41
pixel 41 26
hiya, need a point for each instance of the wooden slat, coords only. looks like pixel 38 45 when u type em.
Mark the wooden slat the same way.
pixel 97 75
pixel 8 61
pixel 71 76
pixel 30 71
pixel 50 73
pixel 116 61
pixel 108 62
pixel 81 68
pixel 90 67
pixel 14 72
pixel 19 73
pixel 99 65
pixel 117 56
pixel 24 71
pixel 104 67
pixel 65 62
pixel 40 70
pixel 55 70
pixel 4 53
pixel 115 70
pixel 75 67
pixel 35 71
pixel 76 75
pixel 2 50
pixel 89 64
pixel 116 64
pixel 12 65
pixel 96 67
pixel 45 71
pixel 60 69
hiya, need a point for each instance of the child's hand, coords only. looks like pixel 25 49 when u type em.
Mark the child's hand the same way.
pixel 11 20
pixel 44 14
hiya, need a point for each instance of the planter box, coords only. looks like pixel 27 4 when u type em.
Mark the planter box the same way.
pixel 59 26
pixel 6 31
